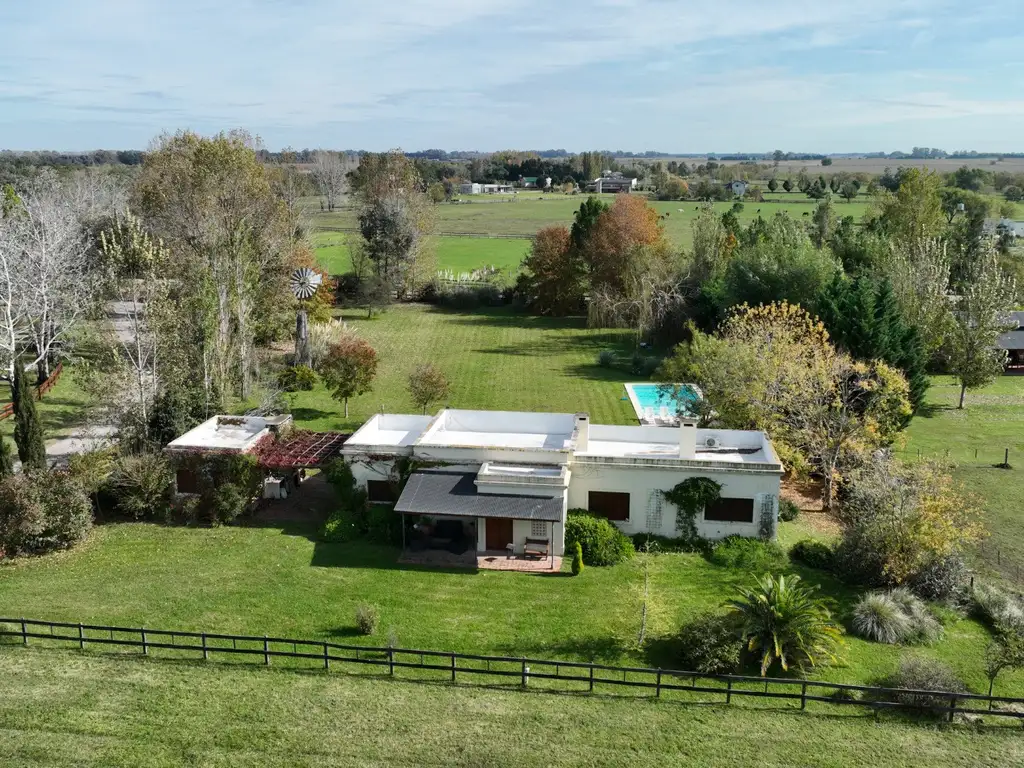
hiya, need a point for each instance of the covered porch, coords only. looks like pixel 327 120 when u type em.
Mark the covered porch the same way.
pixel 447 522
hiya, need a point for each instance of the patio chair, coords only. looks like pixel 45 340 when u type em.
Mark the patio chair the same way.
pixel 663 414
pixel 649 415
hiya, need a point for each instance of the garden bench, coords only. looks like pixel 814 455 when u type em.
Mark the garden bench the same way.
pixel 536 548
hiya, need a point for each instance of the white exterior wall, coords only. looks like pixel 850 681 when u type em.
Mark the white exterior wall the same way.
pixel 639 483
pixel 521 531
pixel 362 471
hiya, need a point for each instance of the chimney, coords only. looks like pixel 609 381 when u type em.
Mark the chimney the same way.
pixel 582 432
pixel 687 439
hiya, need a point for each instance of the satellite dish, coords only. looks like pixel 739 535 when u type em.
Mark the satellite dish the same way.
pixel 304 282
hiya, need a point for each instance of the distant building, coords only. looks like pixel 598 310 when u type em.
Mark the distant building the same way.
pixel 1004 226
pixel 1013 342
pixel 738 188
pixel 535 182
pixel 612 183
pixel 485 189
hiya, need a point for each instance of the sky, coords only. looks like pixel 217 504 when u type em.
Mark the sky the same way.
pixel 668 75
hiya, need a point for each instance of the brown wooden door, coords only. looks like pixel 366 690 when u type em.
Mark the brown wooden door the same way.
pixel 499 533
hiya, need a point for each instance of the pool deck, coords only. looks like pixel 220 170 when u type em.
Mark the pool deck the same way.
pixel 655 419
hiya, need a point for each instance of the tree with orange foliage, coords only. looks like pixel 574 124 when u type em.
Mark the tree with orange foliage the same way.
pixel 553 273
pixel 611 247
pixel 319 306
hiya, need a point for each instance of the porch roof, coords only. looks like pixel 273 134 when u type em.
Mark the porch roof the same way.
pixel 451 493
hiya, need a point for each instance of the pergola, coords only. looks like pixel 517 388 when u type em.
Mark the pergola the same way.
pixel 301 450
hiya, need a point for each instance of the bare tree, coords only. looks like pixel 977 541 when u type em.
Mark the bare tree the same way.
pixel 329 172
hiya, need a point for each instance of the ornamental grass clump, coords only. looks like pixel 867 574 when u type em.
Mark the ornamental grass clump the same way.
pixel 895 617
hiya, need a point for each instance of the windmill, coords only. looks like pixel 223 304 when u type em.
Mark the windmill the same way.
pixel 304 282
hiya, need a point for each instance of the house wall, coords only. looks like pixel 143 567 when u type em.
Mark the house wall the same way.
pixel 641 483
pixel 521 531
pixel 370 470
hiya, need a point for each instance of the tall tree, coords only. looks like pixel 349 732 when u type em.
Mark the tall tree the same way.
pixel 584 220
pixel 610 249
pixel 981 315
pixel 553 273
pixel 919 273
pixel 28 431
pixel 824 222
pixel 211 202
pixel 330 174
pixel 914 211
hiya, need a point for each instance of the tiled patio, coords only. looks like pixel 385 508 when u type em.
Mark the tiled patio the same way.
pixel 485 561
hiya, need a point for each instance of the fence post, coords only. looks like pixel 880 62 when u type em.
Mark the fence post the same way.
pixel 327 658
pixel 591 678
pixel 728 691
pixel 24 633
pixel 391 661
pixel 453 667
pixel 145 645
pixel 266 651
pixel 657 685
pixel 952 707
pixel 206 653
pixel 524 673
pixel 81 637
pixel 803 695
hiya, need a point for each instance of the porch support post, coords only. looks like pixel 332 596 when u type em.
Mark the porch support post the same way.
pixel 551 543
pixel 402 518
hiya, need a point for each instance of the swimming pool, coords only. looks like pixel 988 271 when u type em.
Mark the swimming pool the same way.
pixel 649 399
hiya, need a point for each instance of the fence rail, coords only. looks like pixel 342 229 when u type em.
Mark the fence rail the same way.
pixel 518 669
pixel 8 410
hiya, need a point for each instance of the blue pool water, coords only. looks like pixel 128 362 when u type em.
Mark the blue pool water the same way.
pixel 653 396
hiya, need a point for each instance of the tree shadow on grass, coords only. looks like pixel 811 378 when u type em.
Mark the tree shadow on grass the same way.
pixel 312 414
pixel 931 410
pixel 600 373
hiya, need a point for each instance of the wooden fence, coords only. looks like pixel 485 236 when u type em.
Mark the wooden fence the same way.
pixel 523 672
pixel 481 235
pixel 8 410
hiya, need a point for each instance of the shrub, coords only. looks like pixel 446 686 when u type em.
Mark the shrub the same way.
pixel 812 553
pixel 142 486
pixel 941 579
pixel 383 524
pixel 342 526
pixel 656 543
pixel 781 620
pixel 41 512
pixel 577 559
pixel 926 628
pixel 877 617
pixel 1001 610
pixel 297 378
pixel 748 554
pixel 710 643
pixel 788 511
pixel 606 358
pixel 649 366
pixel 367 619
pixel 339 474
pixel 602 542
pixel 226 503
pixel 916 673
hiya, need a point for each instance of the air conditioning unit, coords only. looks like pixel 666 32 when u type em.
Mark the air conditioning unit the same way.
pixel 711 442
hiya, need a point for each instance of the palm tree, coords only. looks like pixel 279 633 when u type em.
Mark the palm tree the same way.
pixel 781 619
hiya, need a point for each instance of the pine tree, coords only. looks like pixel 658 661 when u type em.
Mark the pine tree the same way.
pixel 28 432
pixel 6 458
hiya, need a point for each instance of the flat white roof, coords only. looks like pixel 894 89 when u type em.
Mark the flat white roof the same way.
pixel 728 446
pixel 500 429
pixel 223 433
pixel 389 430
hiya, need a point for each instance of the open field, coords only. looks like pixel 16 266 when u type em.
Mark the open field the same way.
pixel 66 708
pixel 493 358
pixel 533 211
pixel 458 254
pixel 975 438
pixel 875 165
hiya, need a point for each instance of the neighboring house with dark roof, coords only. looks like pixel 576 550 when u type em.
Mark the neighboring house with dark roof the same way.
pixel 613 183
pixel 500 482
pixel 1013 342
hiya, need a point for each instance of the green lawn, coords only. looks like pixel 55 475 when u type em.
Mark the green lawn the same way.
pixel 61 410
pixel 494 359
pixel 531 212
pixel 63 709
pixel 975 438
pixel 457 254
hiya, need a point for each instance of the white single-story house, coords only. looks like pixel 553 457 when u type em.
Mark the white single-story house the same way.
pixel 612 183
pixel 997 227
pixel 473 188
pixel 505 480
pixel 469 188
